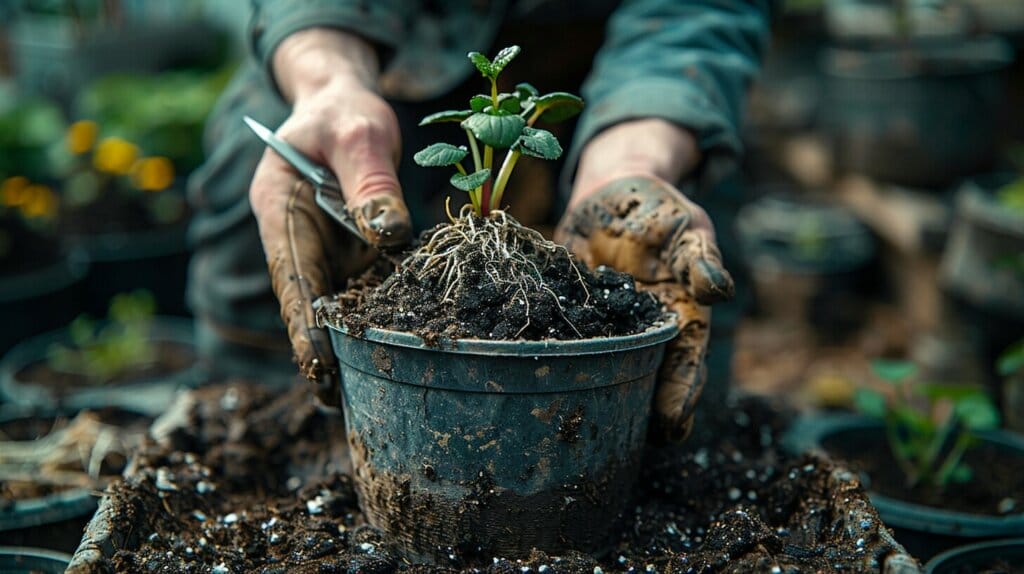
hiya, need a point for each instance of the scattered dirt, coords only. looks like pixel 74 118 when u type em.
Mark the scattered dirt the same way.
pixel 997 487
pixel 506 283
pixel 170 358
pixel 234 502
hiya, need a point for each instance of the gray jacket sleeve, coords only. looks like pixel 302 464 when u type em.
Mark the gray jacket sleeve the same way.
pixel 687 61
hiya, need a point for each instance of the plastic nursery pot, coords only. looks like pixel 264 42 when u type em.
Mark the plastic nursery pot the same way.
pixel 24 560
pixel 923 530
pixel 809 261
pixel 155 260
pixel 39 300
pixel 493 448
pixel 21 368
pixel 922 115
pixel 980 557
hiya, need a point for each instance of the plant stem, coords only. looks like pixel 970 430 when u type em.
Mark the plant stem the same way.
pixel 503 174
pixel 494 93
pixel 533 117
pixel 474 196
pixel 952 461
pixel 461 169
pixel 485 199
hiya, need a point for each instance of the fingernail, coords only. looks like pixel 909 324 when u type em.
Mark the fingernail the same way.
pixel 711 283
pixel 388 223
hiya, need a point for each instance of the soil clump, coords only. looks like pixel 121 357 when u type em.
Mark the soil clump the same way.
pixel 495 279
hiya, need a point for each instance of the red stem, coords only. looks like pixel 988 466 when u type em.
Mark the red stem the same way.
pixel 485 199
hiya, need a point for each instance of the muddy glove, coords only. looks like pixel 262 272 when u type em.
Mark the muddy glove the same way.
pixel 340 121
pixel 647 228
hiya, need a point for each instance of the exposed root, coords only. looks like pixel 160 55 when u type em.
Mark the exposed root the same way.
pixel 510 255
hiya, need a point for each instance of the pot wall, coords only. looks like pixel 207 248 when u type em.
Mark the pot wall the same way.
pixel 497 452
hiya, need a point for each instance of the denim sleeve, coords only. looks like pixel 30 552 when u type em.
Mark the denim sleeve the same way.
pixel 382 22
pixel 687 61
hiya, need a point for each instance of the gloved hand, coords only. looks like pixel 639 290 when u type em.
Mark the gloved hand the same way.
pixel 337 119
pixel 644 226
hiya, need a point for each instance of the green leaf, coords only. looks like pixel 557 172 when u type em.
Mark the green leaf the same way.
pixel 509 103
pixel 500 131
pixel 446 116
pixel 504 58
pixel 526 92
pixel 440 155
pixel 1012 359
pixel 962 473
pixel 557 106
pixel 870 402
pixel 893 371
pixel 482 63
pixel 471 181
pixel 951 391
pixel 539 143
pixel 977 412
pixel 912 420
pixel 479 102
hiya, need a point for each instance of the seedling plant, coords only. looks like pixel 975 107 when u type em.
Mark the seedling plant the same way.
pixel 929 426
pixel 483 237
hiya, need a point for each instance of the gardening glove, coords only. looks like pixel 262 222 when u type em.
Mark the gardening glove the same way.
pixel 341 121
pixel 644 226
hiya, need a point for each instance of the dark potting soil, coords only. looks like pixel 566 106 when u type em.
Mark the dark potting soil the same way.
pixel 171 358
pixel 520 287
pixel 24 249
pixel 242 504
pixel 996 487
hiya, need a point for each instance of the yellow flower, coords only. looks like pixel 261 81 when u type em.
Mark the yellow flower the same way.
pixel 115 156
pixel 81 136
pixel 153 173
pixel 13 190
pixel 42 202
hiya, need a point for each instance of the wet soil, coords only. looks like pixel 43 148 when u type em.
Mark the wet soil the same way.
pixel 557 298
pixel 227 496
pixel 171 358
pixel 996 488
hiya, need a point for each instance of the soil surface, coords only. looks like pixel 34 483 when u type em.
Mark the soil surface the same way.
pixel 996 488
pixel 242 492
pixel 517 287
pixel 171 358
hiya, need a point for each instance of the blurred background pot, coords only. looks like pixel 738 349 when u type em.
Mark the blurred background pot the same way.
pixel 921 114
pixel 41 299
pixel 24 560
pixel 48 493
pixel 923 530
pixel 27 377
pixel 995 556
pixel 809 261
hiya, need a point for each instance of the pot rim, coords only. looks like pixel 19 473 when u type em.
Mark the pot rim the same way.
pixel 808 433
pixel 966 550
pixel 662 331
pixel 35 553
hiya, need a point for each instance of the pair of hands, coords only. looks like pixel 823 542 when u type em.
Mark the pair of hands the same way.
pixel 623 212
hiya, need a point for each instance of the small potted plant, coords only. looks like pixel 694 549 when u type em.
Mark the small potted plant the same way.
pixel 947 475
pixel 133 360
pixel 496 391
pixel 1011 369
pixel 127 211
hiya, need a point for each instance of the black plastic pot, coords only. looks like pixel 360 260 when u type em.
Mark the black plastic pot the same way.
pixel 145 396
pixel 976 557
pixel 155 260
pixel 923 530
pixel 497 447
pixel 921 115
pixel 809 261
pixel 24 560
pixel 40 300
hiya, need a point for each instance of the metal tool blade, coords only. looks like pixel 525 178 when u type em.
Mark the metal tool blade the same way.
pixel 328 191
